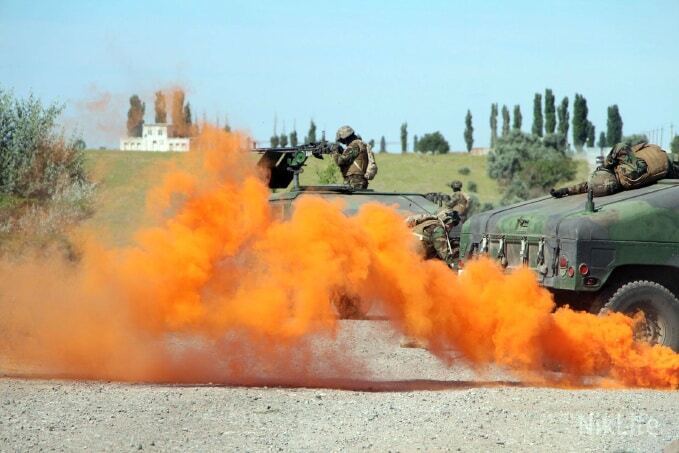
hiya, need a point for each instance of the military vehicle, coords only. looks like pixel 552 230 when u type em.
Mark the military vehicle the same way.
pixel 614 253
pixel 284 165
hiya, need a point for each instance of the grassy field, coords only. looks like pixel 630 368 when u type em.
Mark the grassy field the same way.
pixel 123 179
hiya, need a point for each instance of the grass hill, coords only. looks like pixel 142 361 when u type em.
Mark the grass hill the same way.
pixel 124 178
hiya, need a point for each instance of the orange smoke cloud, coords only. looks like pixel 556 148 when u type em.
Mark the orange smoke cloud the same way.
pixel 221 291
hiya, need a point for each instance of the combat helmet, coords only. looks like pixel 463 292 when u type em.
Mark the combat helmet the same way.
pixel 455 185
pixel 344 132
pixel 603 182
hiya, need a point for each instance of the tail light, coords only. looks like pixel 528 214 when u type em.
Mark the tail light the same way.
pixel 563 262
pixel 583 269
pixel 571 272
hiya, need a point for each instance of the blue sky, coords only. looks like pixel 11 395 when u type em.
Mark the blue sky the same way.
pixel 369 64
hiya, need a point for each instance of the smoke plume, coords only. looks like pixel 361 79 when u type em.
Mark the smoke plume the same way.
pixel 221 291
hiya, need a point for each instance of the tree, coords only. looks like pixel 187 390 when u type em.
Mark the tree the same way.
pixel 274 141
pixel 634 139
pixel 550 116
pixel 614 125
pixel 383 145
pixel 160 107
pixel 591 133
pixel 293 138
pixel 674 145
pixel 177 113
pixel 580 122
pixel 415 142
pixel 518 119
pixel 283 140
pixel 135 116
pixel 371 143
pixel 188 121
pixel 602 143
pixel 493 124
pixel 404 137
pixel 525 166
pixel 537 115
pixel 563 115
pixel 311 136
pixel 433 142
pixel 468 131
pixel 505 121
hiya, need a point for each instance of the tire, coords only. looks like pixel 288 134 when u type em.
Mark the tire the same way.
pixel 659 305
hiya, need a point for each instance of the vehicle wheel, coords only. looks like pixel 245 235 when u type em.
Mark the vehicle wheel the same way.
pixel 660 308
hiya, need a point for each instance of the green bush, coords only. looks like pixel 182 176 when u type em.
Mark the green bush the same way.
pixel 35 160
pixel 635 139
pixel 472 187
pixel 329 173
pixel 433 143
pixel 464 171
pixel 674 145
pixel 527 167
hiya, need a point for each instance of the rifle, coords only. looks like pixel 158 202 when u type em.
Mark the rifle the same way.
pixel 285 163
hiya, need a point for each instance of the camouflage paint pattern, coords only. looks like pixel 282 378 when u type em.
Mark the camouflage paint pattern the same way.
pixel 637 227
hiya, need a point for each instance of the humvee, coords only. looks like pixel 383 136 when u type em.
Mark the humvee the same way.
pixel 614 253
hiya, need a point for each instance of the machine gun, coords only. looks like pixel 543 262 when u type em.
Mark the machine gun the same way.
pixel 284 164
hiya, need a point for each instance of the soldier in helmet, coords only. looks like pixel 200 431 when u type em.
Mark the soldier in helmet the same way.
pixel 432 231
pixel 353 159
pixel 459 201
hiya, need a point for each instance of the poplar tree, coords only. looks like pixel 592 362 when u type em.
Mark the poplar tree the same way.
pixel 415 139
pixel 537 115
pixel 591 133
pixel 580 122
pixel 614 125
pixel 518 118
pixel 293 138
pixel 135 116
pixel 601 144
pixel 505 121
pixel 563 115
pixel 468 131
pixel 550 112
pixel 493 124
pixel 383 145
pixel 404 137
pixel 160 107
pixel 283 140
pixel 311 137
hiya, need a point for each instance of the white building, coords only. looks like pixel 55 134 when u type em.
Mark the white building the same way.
pixel 154 137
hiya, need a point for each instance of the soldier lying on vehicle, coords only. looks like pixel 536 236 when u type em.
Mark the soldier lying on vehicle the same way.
pixel 625 167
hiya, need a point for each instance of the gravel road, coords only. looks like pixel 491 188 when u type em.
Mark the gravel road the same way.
pixel 415 404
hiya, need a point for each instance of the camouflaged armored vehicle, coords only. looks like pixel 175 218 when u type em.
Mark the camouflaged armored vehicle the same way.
pixel 620 253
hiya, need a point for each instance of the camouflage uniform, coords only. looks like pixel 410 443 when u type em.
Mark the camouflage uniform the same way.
pixel 459 201
pixel 433 234
pixel 353 160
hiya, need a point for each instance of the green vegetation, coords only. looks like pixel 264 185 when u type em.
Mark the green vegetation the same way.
pixel 518 118
pixel 468 131
pixel 383 145
pixel 634 139
pixel 472 186
pixel 601 144
pixel 550 112
pixel 526 166
pixel 433 143
pixel 563 115
pixel 537 115
pixel 493 124
pixel 328 173
pixel 311 136
pixel 614 126
pixel 124 178
pixel 464 171
pixel 674 145
pixel 135 116
pixel 505 121
pixel 580 122
pixel 404 137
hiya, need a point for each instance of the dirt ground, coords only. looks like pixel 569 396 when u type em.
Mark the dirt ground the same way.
pixel 410 402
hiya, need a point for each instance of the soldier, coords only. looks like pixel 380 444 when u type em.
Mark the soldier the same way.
pixel 353 160
pixel 625 167
pixel 459 201
pixel 433 231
